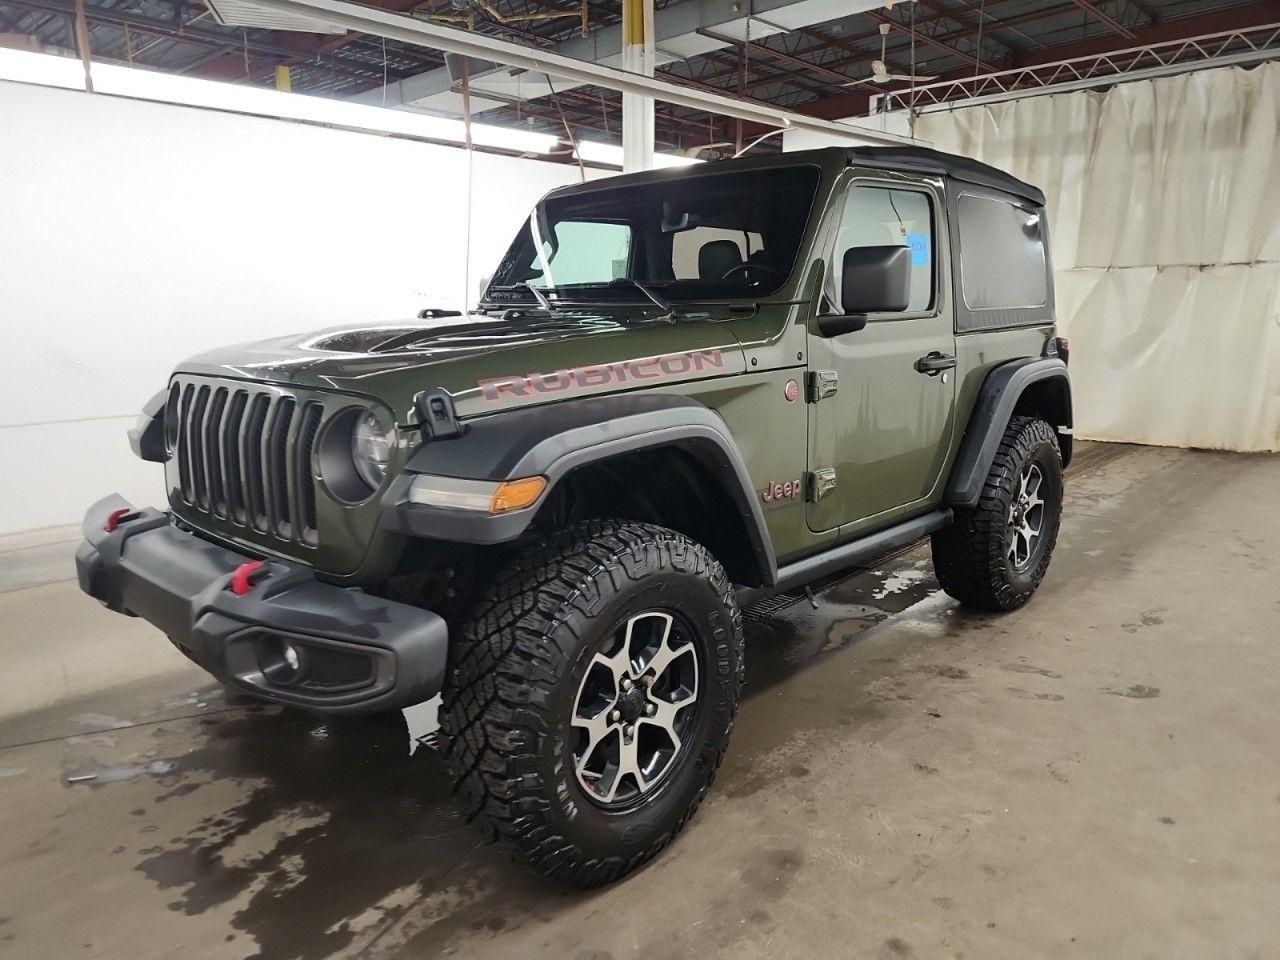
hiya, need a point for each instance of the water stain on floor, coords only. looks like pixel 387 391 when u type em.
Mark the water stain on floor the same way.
pixel 294 836
pixel 319 797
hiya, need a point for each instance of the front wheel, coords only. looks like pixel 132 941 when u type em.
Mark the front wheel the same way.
pixel 994 555
pixel 591 696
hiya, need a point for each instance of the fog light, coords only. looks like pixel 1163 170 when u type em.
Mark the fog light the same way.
pixel 282 663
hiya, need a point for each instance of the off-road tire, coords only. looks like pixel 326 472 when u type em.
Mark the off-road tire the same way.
pixel 970 557
pixel 516 665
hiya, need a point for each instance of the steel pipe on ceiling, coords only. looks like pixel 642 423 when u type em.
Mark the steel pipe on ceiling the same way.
pixel 396 26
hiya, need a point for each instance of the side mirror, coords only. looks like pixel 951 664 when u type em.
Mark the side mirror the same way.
pixel 873 280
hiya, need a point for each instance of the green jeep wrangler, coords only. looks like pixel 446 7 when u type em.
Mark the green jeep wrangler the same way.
pixel 681 390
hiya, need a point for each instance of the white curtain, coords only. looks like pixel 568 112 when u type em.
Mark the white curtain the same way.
pixel 1164 213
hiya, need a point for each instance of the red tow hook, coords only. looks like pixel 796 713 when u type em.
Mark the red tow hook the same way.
pixel 242 579
pixel 117 517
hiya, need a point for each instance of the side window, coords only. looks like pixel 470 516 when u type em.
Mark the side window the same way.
pixel 880 216
pixel 1002 259
pixel 587 251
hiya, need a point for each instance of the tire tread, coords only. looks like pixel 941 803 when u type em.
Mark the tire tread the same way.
pixel 968 555
pixel 505 660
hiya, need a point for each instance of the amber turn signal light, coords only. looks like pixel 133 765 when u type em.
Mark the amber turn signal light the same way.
pixel 517 494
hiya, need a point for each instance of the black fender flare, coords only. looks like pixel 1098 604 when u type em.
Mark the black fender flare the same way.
pixel 996 402
pixel 552 440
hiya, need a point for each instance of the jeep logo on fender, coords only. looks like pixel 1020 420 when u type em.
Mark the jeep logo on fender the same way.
pixel 603 374
pixel 786 490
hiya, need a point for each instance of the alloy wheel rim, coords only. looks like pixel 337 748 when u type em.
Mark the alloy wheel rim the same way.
pixel 633 710
pixel 1025 524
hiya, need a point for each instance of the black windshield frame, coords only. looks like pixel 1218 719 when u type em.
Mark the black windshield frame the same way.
pixel 770 207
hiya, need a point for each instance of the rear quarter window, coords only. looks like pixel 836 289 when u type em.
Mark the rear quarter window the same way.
pixel 1002 256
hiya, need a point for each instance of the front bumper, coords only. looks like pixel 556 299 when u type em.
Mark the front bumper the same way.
pixel 290 638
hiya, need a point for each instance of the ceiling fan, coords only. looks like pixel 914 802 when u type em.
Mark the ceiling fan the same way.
pixel 880 73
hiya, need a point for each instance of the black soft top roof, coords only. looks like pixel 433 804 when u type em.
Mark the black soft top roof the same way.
pixel 917 159
pixel 925 160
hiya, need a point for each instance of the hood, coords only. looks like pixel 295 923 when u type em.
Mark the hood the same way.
pixel 486 363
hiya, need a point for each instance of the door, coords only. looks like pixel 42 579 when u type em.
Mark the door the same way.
pixel 882 396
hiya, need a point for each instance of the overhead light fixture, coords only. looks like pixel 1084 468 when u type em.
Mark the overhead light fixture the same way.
pixel 237 13
pixel 55 71
pixel 592 151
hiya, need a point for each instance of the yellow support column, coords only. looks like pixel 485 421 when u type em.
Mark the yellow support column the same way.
pixel 637 110
pixel 284 81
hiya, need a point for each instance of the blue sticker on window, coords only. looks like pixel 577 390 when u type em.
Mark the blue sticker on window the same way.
pixel 919 244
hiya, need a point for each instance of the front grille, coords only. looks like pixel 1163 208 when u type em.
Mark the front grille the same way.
pixel 245 455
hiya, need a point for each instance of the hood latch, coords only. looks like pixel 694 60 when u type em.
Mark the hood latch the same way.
pixel 437 418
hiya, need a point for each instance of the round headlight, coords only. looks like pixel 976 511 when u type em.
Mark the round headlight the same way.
pixel 371 446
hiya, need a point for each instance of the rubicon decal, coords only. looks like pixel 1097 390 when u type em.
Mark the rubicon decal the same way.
pixel 781 490
pixel 664 366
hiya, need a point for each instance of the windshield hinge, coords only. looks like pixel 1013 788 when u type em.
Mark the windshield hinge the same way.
pixel 821 384
pixel 821 483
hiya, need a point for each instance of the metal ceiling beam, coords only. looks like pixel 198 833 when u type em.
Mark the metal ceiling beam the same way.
pixel 1101 17
pixel 1146 10
pixel 676 40
pixel 852 104
pixel 1256 14
pixel 781 57
pixel 198 36
pixel 924 37
pixel 467 44
pixel 1081 74
pixel 993 22
pixel 974 29
pixel 774 75
pixel 825 42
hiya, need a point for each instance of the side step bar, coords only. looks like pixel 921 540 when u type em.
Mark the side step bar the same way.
pixel 851 554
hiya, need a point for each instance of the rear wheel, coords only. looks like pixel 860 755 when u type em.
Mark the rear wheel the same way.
pixel 994 555
pixel 591 696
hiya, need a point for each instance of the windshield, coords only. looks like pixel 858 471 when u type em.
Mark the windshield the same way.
pixel 712 236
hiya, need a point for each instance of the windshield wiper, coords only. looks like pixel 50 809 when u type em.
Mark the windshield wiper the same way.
pixel 541 297
pixel 538 295
pixel 662 302
pixel 671 310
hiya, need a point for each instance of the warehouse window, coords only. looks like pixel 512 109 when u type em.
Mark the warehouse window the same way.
pixel 879 216
pixel 1002 258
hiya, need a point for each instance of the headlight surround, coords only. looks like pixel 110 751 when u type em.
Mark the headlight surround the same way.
pixel 353 454
pixel 371 447
pixel 171 418
pixel 147 436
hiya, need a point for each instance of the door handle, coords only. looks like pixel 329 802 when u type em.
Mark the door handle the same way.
pixel 934 363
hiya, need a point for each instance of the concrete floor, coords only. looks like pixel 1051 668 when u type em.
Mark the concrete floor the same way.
pixel 1096 775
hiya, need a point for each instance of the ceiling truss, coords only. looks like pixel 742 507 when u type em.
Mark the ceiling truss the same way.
pixel 979 48
pixel 1229 47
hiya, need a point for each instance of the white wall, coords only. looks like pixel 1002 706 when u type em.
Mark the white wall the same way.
pixel 133 234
